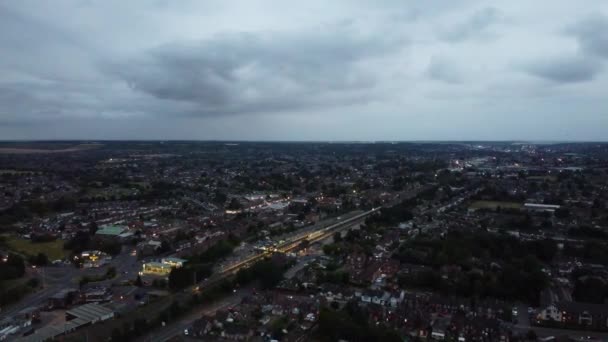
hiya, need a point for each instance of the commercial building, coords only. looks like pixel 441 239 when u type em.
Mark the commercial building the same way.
pixel 75 318
pixel 173 262
pixel 111 232
pixel 156 268
pixel 163 267
pixel 541 207
pixel 94 259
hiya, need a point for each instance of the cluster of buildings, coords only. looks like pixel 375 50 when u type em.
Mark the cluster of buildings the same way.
pixel 157 209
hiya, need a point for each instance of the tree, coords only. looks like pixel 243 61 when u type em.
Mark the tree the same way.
pixel 220 197
pixel 138 281
pixel 110 247
pixel 164 246
pixel 117 335
pixel 93 228
pixel 79 242
pixel 234 204
pixel 590 290
pixel 111 272
pixel 179 278
pixel 12 268
pixel 337 237
pixel 39 260
pixel 266 272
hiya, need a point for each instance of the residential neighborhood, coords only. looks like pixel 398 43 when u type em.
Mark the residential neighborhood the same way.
pixel 305 242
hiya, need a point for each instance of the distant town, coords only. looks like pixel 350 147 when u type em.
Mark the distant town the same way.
pixel 261 241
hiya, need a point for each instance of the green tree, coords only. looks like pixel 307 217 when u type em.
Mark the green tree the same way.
pixel 12 268
pixel 179 278
pixel 138 281
pixel 39 260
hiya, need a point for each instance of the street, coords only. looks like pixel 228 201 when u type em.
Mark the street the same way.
pixel 178 327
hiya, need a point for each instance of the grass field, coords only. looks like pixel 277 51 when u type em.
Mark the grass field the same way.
pixel 54 250
pixel 492 205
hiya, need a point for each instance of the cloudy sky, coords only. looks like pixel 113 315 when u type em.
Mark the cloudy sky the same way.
pixel 304 70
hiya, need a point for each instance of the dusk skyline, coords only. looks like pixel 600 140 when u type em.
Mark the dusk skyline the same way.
pixel 339 71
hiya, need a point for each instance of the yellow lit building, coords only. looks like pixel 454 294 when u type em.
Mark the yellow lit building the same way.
pixel 156 268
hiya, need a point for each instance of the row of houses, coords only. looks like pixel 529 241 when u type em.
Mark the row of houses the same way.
pixel 570 314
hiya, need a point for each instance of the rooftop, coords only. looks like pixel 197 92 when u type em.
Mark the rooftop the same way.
pixel 111 230
pixel 174 260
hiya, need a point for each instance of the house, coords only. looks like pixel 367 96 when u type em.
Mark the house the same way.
pixel 575 315
pixel 583 314
pixel 375 296
pixel 150 247
pixel 549 314
pixel 201 327
pixel 237 332
pixel 439 328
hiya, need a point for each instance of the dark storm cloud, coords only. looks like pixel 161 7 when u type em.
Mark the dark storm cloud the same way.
pixel 565 69
pixel 473 26
pixel 315 69
pixel 592 34
pixel 236 73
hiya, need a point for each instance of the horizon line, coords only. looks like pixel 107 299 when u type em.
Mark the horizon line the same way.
pixel 532 141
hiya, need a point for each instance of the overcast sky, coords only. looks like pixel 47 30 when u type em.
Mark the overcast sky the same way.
pixel 304 70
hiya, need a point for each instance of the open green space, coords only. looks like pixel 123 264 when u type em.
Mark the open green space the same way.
pixel 53 249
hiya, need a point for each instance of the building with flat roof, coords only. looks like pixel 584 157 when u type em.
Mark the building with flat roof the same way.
pixel 75 318
pixel 111 231
pixel 174 262
pixel 156 268
pixel 541 207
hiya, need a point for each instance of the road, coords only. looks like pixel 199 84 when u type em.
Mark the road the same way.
pixel 56 278
pixel 178 327
pixel 576 334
